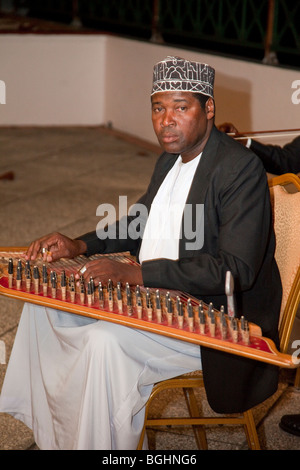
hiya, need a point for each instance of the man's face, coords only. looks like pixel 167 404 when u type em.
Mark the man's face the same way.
pixel 180 123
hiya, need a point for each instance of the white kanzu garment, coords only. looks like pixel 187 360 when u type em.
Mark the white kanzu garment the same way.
pixel 163 227
pixel 80 383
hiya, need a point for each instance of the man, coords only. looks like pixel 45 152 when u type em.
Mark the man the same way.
pixel 276 160
pixel 81 383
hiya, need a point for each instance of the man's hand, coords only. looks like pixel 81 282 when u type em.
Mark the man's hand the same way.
pixel 105 269
pixel 228 128
pixel 55 246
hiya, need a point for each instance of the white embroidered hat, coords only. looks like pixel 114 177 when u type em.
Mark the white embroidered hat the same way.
pixel 177 74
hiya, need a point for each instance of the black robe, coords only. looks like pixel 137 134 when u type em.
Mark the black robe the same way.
pixel 279 160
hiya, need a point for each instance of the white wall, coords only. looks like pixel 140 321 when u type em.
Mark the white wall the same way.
pixel 52 80
pixel 94 79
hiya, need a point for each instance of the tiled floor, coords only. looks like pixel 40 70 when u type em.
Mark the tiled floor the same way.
pixel 61 175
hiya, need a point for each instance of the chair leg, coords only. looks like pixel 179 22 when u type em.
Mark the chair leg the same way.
pixel 141 441
pixel 250 430
pixel 142 436
pixel 199 431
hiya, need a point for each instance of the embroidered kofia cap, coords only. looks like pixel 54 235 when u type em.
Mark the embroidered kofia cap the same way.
pixel 177 74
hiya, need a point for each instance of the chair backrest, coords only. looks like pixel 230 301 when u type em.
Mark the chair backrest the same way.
pixel 285 199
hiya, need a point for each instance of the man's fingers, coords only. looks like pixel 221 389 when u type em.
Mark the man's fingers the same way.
pixel 33 250
pixel 98 270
